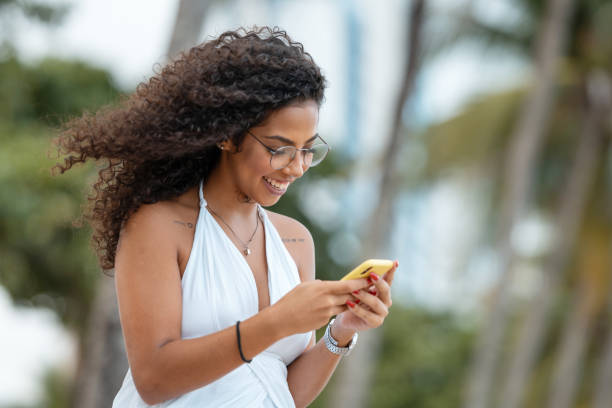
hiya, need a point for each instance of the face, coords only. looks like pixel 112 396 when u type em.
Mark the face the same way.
pixel 250 168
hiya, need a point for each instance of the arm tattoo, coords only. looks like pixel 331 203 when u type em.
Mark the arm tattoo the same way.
pixel 184 224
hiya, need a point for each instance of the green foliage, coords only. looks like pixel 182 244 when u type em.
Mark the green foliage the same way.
pixel 38 11
pixel 51 90
pixel 44 259
pixel 424 355
pixel 423 361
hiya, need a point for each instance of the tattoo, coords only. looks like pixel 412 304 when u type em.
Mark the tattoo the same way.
pixel 184 224
pixel 293 239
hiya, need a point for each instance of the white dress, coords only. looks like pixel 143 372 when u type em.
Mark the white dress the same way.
pixel 218 289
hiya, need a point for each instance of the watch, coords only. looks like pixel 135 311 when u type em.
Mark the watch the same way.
pixel 332 344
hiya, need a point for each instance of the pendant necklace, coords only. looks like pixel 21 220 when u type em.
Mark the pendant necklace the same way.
pixel 246 251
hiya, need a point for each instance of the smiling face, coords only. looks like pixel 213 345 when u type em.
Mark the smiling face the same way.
pixel 250 169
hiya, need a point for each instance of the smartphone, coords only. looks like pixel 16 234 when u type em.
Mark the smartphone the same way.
pixel 378 266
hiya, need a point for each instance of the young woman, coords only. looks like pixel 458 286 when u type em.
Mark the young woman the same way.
pixel 217 296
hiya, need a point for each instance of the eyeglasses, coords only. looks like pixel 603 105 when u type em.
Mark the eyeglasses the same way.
pixel 283 156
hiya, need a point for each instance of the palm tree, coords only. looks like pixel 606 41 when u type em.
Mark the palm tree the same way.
pixel 521 160
pixel 187 26
pixel 104 364
pixel 356 373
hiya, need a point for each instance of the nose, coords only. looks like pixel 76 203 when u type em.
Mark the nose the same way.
pixel 297 167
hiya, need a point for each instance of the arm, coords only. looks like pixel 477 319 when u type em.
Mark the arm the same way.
pixel 148 287
pixel 308 374
pixel 148 283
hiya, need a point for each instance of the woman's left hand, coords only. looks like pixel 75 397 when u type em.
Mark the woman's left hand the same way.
pixel 370 306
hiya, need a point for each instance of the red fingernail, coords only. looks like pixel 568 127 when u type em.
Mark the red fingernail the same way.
pixel 356 292
pixel 372 292
pixel 351 304
pixel 357 301
pixel 369 280
pixel 374 276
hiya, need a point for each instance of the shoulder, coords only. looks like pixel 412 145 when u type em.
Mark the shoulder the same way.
pixel 152 218
pixel 298 241
pixel 160 225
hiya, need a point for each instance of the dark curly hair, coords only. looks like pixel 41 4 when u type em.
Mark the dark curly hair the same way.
pixel 161 140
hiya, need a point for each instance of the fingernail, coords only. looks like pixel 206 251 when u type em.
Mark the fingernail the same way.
pixel 396 264
pixel 355 292
pixel 369 280
pixel 357 301
pixel 372 292
pixel 350 304
pixel 374 276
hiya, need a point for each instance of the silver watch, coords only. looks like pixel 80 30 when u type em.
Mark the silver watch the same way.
pixel 332 344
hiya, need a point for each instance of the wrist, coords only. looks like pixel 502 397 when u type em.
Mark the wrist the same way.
pixel 340 333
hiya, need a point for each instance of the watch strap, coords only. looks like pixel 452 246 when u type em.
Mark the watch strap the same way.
pixel 332 344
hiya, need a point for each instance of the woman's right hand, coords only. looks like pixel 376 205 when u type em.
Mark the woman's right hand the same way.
pixel 310 305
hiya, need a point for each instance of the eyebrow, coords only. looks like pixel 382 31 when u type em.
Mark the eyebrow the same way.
pixel 288 141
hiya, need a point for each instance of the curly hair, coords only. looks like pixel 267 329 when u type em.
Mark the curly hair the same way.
pixel 161 140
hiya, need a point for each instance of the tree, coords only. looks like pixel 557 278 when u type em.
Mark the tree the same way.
pixel 357 372
pixel 522 156
pixel 188 25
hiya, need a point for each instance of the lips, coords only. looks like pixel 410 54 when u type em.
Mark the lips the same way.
pixel 278 185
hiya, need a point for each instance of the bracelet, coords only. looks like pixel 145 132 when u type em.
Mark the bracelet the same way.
pixel 332 344
pixel 239 343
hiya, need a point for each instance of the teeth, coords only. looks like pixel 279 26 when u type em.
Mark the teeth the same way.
pixel 279 186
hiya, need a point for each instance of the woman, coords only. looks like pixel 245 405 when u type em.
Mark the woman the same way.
pixel 217 296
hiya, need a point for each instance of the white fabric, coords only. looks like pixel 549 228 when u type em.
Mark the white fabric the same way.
pixel 218 289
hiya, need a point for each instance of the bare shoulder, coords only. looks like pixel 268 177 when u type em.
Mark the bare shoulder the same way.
pixel 298 241
pixel 151 221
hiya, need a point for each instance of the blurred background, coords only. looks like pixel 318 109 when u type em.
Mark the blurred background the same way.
pixel 470 141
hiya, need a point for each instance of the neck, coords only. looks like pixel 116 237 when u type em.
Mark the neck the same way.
pixel 226 199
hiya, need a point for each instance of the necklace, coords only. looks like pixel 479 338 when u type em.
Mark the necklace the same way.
pixel 246 251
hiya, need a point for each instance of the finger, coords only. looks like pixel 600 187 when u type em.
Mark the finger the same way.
pixel 388 276
pixel 336 310
pixel 370 318
pixel 347 286
pixel 382 287
pixel 340 300
pixel 374 303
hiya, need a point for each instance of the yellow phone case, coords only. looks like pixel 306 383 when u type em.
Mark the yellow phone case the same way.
pixel 378 266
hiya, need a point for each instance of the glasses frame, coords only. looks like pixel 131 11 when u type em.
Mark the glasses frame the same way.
pixel 274 151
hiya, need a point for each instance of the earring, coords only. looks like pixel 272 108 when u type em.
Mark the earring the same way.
pixel 220 146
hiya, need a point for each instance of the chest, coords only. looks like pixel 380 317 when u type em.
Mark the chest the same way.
pixel 256 260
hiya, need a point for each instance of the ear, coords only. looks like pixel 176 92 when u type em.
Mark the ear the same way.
pixel 227 145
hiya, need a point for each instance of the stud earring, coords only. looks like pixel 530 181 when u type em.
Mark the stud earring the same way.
pixel 220 146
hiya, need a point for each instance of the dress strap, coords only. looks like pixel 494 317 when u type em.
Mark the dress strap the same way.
pixel 261 212
pixel 202 200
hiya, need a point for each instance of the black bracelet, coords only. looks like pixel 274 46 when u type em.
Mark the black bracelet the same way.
pixel 239 344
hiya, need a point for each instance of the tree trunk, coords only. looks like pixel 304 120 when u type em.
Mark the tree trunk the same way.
pixel 525 145
pixel 603 391
pixel 103 362
pixel 188 25
pixel 577 332
pixel 580 182
pixel 355 373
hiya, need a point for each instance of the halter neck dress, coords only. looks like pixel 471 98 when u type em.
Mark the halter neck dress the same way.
pixel 218 289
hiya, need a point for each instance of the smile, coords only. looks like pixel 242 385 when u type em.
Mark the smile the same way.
pixel 276 184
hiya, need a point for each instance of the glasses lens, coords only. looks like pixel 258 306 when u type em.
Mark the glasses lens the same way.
pixel 311 157
pixel 282 157
pixel 317 154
